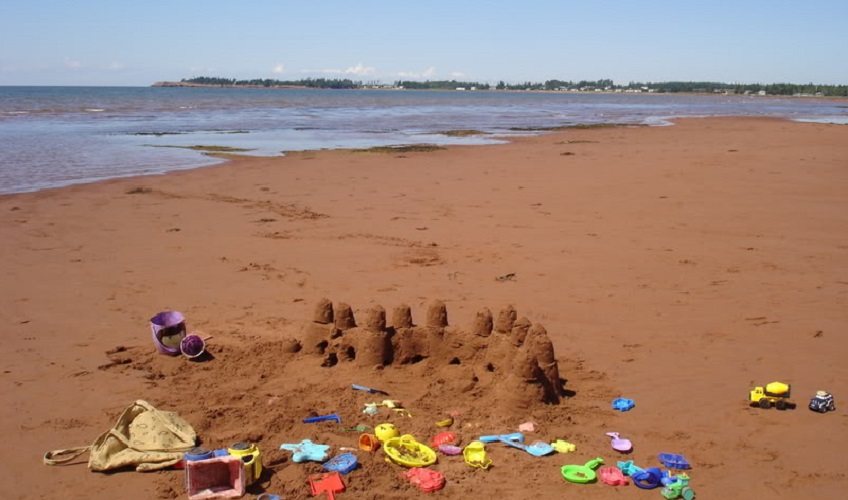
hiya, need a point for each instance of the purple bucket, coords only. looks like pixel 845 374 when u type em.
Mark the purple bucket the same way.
pixel 168 330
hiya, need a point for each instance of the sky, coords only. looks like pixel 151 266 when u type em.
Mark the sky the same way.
pixel 139 42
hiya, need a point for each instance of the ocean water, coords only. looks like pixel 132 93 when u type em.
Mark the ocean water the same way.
pixel 56 136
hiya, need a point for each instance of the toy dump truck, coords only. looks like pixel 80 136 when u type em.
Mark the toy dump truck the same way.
pixel 775 393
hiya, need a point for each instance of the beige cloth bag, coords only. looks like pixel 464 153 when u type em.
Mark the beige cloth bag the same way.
pixel 144 437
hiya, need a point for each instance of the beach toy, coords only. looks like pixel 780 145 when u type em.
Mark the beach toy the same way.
pixel 678 489
pixel 249 454
pixel 673 461
pixel 628 468
pixel 622 404
pixel 342 464
pixel 198 453
pixel 449 449
pixel 619 444
pixel 561 446
pixel 427 480
pixel 368 442
pixel 581 473
pixel 527 427
pixel 822 402
pixel 538 448
pixel 358 428
pixel 307 450
pixel 368 389
pixel 386 431
pixel 515 437
pixel 446 437
pixel 445 423
pixel 647 479
pixel 323 418
pixel 328 482
pixel 406 451
pixel 612 476
pixel 192 346
pixel 371 409
pixel 475 455
pixel 222 475
pixel 168 329
pixel 268 496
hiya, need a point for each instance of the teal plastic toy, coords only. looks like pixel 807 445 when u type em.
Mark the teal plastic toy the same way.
pixel 582 473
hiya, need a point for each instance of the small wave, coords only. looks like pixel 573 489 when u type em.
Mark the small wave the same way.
pixel 95 110
pixel 836 120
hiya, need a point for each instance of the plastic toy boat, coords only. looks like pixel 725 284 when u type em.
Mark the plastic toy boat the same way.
pixel 406 451
pixel 612 476
pixel 619 444
pixel 673 461
pixel 581 473
pixel 427 480
pixel 622 404
pixel 475 455
pixel 342 464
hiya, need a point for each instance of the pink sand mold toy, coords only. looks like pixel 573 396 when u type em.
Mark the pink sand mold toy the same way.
pixel 620 444
pixel 612 476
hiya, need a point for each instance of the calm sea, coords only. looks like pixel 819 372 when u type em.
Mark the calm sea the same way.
pixel 55 136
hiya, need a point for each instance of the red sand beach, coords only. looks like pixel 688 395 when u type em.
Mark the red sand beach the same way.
pixel 678 266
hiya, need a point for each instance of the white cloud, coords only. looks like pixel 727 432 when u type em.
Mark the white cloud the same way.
pixel 359 69
pixel 457 74
pixel 114 65
pixel 72 63
pixel 427 73
pixel 279 69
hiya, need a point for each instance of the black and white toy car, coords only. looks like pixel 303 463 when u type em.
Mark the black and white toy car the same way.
pixel 822 402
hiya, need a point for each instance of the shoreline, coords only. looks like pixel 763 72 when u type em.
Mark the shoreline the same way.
pixel 678 266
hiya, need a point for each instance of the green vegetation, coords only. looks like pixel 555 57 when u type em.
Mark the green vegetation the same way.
pixel 412 148
pixel 602 85
pixel 462 133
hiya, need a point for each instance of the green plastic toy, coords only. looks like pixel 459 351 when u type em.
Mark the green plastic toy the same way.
pixel 678 489
pixel 581 473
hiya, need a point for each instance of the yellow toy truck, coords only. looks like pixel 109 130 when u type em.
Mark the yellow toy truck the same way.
pixel 775 393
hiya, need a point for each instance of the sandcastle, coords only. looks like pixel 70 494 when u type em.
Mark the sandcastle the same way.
pixel 508 356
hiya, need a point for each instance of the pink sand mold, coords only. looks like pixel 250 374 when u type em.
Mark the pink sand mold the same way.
pixel 214 478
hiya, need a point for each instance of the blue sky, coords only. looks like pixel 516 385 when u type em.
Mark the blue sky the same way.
pixel 119 42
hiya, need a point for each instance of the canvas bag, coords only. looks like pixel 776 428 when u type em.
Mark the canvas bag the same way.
pixel 144 437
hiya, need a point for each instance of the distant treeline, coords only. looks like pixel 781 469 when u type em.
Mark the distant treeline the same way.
pixel 604 85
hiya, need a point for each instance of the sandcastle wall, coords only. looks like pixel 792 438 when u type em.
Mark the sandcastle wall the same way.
pixel 507 354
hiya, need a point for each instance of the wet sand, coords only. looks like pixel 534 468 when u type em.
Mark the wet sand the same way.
pixel 678 266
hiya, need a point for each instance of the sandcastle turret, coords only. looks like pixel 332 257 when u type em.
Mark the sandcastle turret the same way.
pixel 316 334
pixel 372 343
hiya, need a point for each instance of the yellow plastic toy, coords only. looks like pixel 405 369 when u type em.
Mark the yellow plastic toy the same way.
pixel 475 455
pixel 386 431
pixel 406 451
pixel 562 446
pixel 775 393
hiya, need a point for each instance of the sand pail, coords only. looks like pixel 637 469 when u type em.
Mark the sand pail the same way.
pixel 168 329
